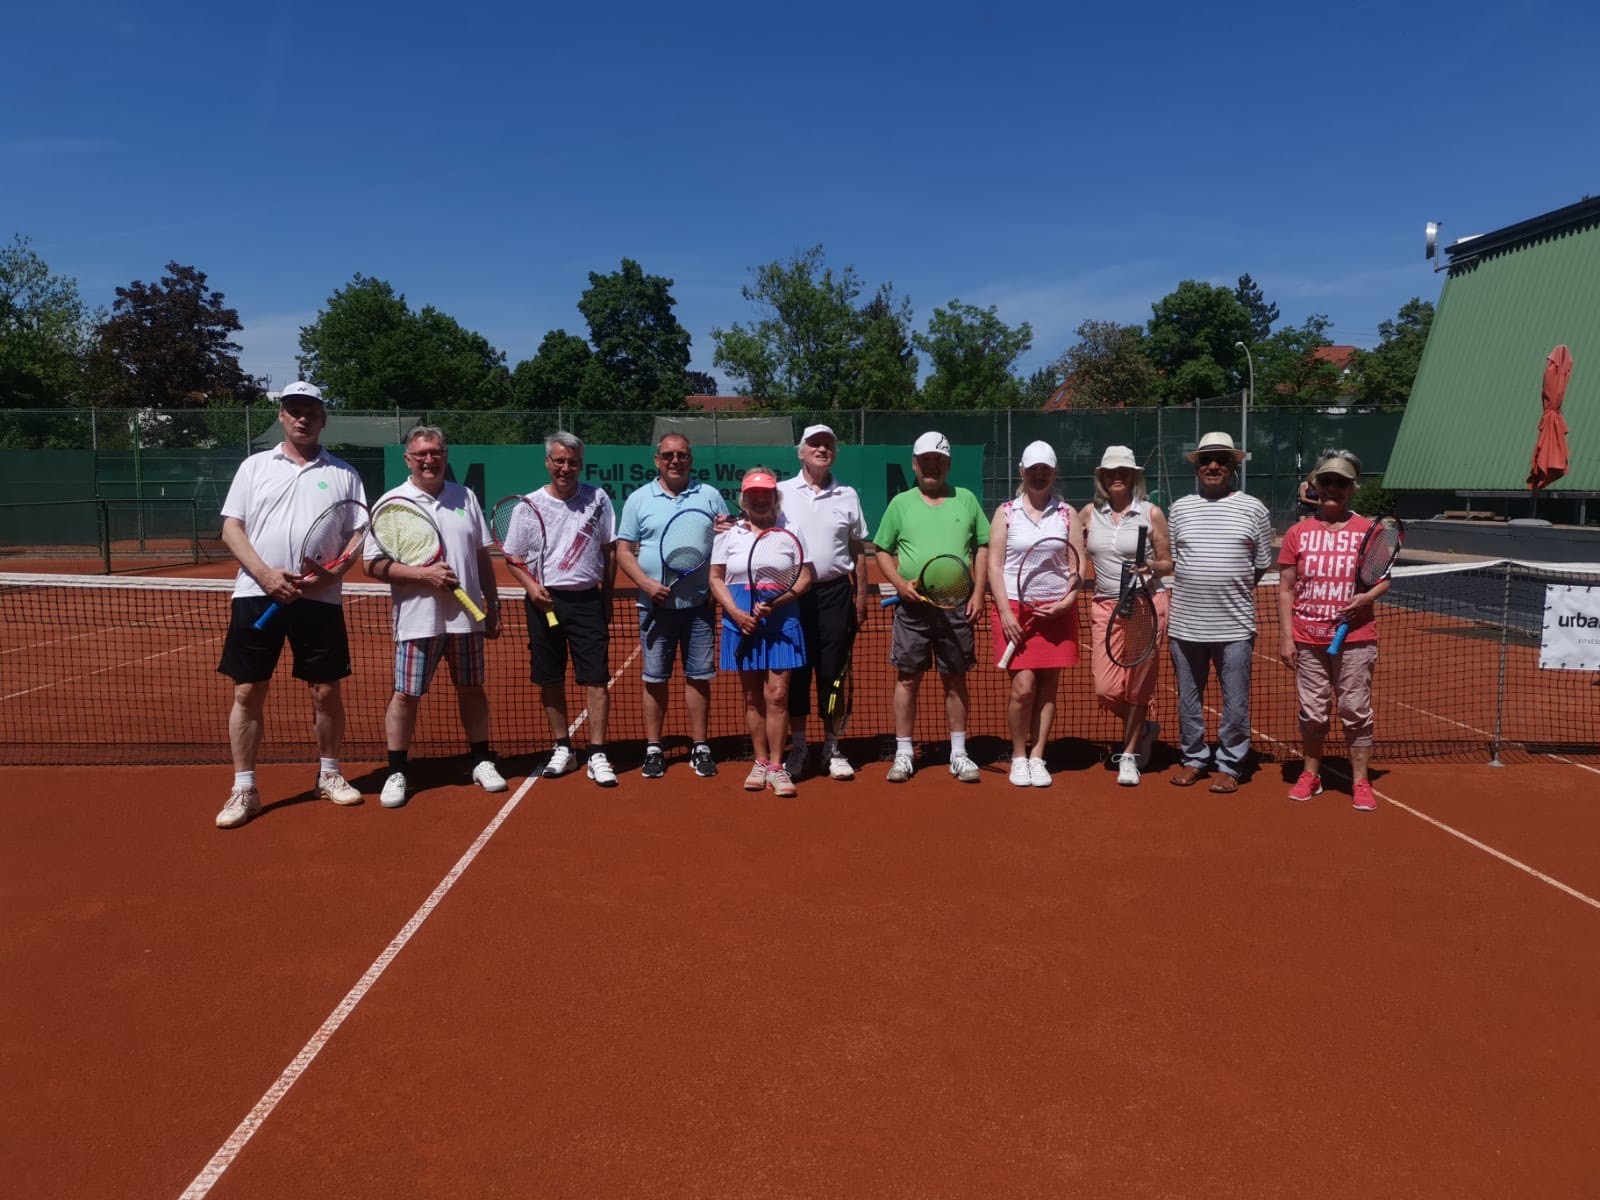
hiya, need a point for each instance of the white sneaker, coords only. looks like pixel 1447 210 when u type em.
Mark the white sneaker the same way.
pixel 561 761
pixel 333 786
pixel 757 779
pixel 599 770
pixel 243 803
pixel 1127 770
pixel 780 783
pixel 487 776
pixel 1020 775
pixel 1147 741
pixel 901 769
pixel 839 766
pixel 1038 775
pixel 964 769
pixel 795 762
pixel 394 791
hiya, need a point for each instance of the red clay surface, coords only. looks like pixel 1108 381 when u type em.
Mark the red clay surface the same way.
pixel 675 989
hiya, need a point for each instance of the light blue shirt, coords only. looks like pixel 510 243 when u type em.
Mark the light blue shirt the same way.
pixel 645 515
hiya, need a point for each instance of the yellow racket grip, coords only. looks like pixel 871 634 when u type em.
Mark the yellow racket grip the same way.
pixel 466 603
pixel 550 618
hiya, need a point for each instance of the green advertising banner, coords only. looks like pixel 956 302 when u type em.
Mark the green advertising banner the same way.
pixel 876 472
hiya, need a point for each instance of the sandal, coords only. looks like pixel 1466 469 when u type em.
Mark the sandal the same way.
pixel 1187 776
pixel 1225 783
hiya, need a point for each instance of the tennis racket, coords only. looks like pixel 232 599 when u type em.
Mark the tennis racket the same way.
pixel 775 565
pixel 686 544
pixel 1380 546
pixel 842 692
pixel 518 530
pixel 944 582
pixel 1131 632
pixel 1047 574
pixel 408 536
pixel 333 540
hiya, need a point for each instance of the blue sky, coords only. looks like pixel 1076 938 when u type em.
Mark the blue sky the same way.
pixel 1058 161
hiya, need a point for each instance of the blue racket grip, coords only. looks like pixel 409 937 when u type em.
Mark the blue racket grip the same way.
pixel 261 621
pixel 1338 638
pixel 888 601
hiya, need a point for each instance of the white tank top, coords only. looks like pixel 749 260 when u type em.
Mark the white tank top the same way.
pixel 1111 542
pixel 1022 533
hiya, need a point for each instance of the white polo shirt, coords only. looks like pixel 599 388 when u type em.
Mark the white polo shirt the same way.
pixel 419 610
pixel 825 519
pixel 278 499
pixel 577 532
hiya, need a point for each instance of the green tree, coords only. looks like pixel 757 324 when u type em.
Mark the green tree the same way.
pixel 367 349
pixel 1384 375
pixel 1191 339
pixel 44 332
pixel 563 373
pixel 167 345
pixel 700 383
pixel 812 346
pixel 1262 314
pixel 972 352
pixel 1288 370
pixel 1110 367
pixel 637 339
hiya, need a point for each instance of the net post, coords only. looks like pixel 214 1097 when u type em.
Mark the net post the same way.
pixel 1500 683
pixel 103 520
pixel 194 530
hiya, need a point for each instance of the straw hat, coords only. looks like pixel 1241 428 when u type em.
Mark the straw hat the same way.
pixel 1216 443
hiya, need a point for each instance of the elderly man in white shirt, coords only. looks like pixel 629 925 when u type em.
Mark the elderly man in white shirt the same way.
pixel 827 515
pixel 275 497
pixel 429 623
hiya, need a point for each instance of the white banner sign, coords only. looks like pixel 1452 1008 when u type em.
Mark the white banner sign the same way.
pixel 1571 640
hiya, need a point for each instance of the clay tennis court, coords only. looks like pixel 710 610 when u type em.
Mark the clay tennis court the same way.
pixel 674 988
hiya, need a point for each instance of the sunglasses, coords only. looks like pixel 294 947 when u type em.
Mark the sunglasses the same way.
pixel 1214 460
pixel 1328 481
pixel 673 455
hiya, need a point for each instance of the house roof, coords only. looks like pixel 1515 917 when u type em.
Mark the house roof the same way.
pixel 1510 298
pixel 1339 356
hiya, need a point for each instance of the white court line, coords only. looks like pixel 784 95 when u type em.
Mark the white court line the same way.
pixel 110 667
pixel 257 1116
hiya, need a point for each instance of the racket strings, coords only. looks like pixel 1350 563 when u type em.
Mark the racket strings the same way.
pixel 405 535
pixel 333 531
pixel 775 565
pixel 524 538
pixel 688 545
pixel 1378 553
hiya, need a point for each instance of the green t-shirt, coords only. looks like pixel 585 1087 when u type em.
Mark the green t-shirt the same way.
pixel 915 531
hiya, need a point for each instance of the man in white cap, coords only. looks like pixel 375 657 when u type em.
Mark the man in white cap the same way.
pixel 273 500
pixel 932 519
pixel 828 517
pixel 1221 546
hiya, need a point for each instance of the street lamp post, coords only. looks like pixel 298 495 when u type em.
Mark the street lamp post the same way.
pixel 1244 416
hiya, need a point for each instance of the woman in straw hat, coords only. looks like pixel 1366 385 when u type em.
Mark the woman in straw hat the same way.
pixel 1051 641
pixel 1111 523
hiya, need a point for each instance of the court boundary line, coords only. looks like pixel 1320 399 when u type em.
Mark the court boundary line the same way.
pixel 236 1141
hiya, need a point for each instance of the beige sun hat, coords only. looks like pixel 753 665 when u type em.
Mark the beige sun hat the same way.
pixel 1118 458
pixel 1213 443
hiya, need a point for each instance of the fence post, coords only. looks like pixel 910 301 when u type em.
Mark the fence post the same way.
pixel 1500 686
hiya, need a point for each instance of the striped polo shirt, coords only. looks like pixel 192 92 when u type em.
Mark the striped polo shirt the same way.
pixel 1217 548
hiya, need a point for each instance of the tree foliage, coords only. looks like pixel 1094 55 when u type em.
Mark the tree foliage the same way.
pixel 637 340
pixel 44 332
pixel 1110 367
pixel 1384 375
pixel 367 349
pixel 562 373
pixel 700 383
pixel 1262 314
pixel 167 345
pixel 1192 332
pixel 972 352
pixel 1288 371
pixel 813 347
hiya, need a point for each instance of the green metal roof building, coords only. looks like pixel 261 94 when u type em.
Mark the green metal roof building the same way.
pixel 1510 298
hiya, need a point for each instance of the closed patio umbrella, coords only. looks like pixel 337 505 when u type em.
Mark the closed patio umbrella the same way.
pixel 1550 449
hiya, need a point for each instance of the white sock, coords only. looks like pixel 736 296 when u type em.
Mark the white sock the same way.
pixel 329 766
pixel 958 744
pixel 902 746
pixel 243 779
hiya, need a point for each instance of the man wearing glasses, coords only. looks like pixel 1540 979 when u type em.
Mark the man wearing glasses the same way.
pixel 429 624
pixel 677 621
pixel 1221 546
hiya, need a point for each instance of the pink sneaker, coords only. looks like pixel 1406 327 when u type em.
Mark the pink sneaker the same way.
pixel 1307 786
pixel 1364 800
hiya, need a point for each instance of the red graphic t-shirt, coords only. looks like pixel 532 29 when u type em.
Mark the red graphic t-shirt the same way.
pixel 1324 562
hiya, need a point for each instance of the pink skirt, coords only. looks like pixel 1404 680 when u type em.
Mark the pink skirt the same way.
pixel 1048 645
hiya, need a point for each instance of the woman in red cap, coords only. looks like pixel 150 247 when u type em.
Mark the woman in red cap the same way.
pixel 762 643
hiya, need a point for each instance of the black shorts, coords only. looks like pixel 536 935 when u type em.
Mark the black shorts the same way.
pixel 585 629
pixel 828 620
pixel 316 635
pixel 921 629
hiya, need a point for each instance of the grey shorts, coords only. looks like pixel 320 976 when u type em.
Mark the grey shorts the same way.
pixel 921 629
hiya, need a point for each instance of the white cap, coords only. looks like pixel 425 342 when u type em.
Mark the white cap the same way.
pixel 932 443
pixel 813 430
pixel 1038 454
pixel 1118 458
pixel 301 388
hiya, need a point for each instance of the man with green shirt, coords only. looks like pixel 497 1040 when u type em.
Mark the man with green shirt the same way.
pixel 933 519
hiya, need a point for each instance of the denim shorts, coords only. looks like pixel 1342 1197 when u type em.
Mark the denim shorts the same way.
pixel 667 633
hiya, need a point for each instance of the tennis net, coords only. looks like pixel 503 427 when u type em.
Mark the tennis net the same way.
pixel 122 670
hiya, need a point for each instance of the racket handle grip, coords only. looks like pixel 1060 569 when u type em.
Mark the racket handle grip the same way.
pixel 1338 638
pixel 1011 652
pixel 889 602
pixel 550 619
pixel 466 603
pixel 272 611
